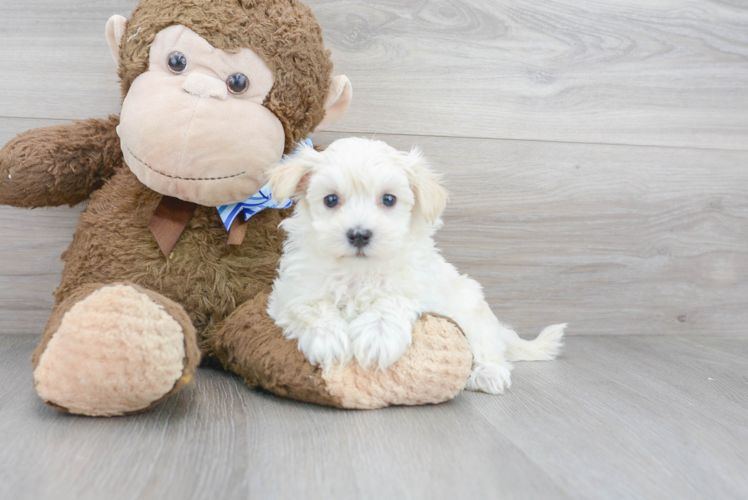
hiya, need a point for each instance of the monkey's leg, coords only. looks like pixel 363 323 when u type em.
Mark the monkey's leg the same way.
pixel 433 369
pixel 114 349
pixel 60 165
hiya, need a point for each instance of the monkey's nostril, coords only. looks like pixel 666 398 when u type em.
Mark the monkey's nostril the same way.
pixel 358 238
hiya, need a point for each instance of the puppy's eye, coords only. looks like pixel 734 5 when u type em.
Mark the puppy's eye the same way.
pixel 237 83
pixel 389 200
pixel 331 201
pixel 177 62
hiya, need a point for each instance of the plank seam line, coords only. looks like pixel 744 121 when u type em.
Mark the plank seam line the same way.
pixel 621 144
pixel 507 139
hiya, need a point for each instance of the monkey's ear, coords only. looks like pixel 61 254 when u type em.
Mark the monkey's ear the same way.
pixel 115 29
pixel 338 99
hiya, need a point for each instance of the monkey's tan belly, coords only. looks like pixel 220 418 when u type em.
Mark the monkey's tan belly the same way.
pixel 205 275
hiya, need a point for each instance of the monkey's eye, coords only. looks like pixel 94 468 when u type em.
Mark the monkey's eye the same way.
pixel 237 83
pixel 389 200
pixel 331 201
pixel 177 62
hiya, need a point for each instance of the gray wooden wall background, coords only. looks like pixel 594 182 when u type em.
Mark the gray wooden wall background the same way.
pixel 597 150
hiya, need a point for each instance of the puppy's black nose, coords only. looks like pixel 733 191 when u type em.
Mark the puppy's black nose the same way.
pixel 358 239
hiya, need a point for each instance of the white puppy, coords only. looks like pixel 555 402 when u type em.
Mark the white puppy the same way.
pixel 360 265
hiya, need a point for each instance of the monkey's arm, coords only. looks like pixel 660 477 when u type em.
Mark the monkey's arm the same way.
pixel 59 165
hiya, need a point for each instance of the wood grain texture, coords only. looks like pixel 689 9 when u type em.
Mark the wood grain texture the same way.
pixel 657 72
pixel 660 72
pixel 634 417
pixel 615 417
pixel 54 59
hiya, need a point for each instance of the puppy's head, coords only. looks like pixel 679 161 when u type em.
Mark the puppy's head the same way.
pixel 359 197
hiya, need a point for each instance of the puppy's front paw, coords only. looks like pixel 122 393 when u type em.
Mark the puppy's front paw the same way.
pixel 379 339
pixel 491 378
pixel 325 344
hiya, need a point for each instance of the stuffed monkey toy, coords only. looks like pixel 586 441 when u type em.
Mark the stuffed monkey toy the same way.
pixel 215 92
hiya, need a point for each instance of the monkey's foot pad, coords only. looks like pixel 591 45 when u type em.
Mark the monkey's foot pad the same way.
pixel 116 352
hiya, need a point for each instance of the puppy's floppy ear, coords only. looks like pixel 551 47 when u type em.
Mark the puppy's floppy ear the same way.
pixel 431 196
pixel 289 178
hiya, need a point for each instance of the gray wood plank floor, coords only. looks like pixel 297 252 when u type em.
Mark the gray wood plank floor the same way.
pixel 597 152
pixel 615 417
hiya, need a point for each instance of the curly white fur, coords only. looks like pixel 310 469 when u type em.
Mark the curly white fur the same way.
pixel 341 301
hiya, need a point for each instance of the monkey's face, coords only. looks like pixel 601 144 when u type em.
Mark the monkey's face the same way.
pixel 194 126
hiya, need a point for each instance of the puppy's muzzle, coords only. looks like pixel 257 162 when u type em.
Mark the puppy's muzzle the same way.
pixel 358 238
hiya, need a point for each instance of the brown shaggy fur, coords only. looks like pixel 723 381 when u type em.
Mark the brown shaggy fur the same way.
pixel 270 361
pixel 59 165
pixel 205 275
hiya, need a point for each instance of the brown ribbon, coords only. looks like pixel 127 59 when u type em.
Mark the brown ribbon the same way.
pixel 171 217
pixel 169 220
pixel 238 230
